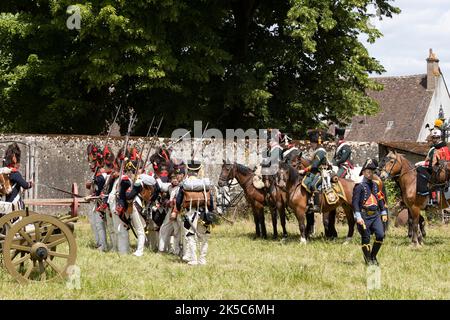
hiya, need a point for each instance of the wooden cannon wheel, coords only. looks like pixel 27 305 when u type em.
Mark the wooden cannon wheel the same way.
pixel 39 248
pixel 6 222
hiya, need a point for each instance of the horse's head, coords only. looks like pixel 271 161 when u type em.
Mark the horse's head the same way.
pixel 391 165
pixel 228 173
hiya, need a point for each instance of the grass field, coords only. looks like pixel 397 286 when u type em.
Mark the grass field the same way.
pixel 242 268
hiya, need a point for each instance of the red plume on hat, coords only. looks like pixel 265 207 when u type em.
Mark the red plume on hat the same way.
pixel 134 154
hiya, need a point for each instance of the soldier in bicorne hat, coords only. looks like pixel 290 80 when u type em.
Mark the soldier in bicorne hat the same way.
pixel 370 212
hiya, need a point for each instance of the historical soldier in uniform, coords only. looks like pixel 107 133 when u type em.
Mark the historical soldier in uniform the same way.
pixel 95 158
pixel 141 196
pixel 12 162
pixel 271 157
pixel 370 212
pixel 118 206
pixel 342 156
pixel 198 219
pixel 313 172
pixel 438 151
pixel 171 225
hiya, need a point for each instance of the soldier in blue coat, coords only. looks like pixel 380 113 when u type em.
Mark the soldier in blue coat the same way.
pixel 370 212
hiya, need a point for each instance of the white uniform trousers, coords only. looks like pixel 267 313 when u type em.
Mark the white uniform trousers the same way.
pixel 120 230
pixel 138 224
pixel 193 239
pixel 170 235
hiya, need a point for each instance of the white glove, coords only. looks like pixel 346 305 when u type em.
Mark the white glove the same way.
pixel 5 170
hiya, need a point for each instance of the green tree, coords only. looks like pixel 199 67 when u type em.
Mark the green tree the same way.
pixel 234 63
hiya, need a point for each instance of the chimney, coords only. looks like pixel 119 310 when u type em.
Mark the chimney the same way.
pixel 433 72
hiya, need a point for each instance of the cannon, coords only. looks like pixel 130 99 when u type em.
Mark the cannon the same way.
pixel 40 247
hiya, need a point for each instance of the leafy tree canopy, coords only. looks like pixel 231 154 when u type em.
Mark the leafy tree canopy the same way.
pixel 233 63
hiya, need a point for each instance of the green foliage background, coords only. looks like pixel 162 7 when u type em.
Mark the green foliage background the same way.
pixel 236 64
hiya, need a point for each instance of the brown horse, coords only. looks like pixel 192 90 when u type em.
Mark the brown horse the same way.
pixel 5 185
pixel 329 217
pixel 290 181
pixel 277 200
pixel 395 166
pixel 255 197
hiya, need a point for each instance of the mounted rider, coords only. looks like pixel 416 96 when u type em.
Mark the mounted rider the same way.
pixel 313 178
pixel 290 151
pixel 438 151
pixel 271 156
pixel 342 156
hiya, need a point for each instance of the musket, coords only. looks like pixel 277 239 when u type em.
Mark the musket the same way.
pixel 181 138
pixel 153 144
pixel 201 140
pixel 61 190
pixel 143 148
pixel 133 119
pixel 106 143
pixel 109 131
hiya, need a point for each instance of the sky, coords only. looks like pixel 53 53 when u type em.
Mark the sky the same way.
pixel 422 24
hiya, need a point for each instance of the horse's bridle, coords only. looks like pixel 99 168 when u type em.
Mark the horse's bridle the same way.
pixel 229 181
pixel 399 175
pixel 389 176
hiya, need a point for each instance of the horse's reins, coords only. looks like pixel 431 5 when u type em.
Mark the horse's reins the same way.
pixel 229 181
pixel 399 175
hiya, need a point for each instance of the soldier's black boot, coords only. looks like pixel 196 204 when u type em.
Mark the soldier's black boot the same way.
pixel 375 249
pixel 316 201
pixel 366 252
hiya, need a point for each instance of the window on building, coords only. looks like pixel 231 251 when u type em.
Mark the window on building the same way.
pixel 390 125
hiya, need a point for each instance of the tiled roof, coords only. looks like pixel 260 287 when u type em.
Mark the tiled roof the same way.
pixel 403 104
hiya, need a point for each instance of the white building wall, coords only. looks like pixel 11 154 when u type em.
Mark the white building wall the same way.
pixel 440 97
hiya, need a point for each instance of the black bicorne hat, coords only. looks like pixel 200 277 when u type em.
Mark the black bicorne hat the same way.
pixel 193 165
pixel 371 164
pixel 314 136
pixel 339 132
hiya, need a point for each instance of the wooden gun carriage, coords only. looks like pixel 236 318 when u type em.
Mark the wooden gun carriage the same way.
pixel 35 246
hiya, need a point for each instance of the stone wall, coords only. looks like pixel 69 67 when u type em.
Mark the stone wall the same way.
pixel 58 160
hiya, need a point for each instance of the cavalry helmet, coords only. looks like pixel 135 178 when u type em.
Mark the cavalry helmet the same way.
pixel 436 133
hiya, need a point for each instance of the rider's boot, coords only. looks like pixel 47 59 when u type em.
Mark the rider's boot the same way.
pixel 315 201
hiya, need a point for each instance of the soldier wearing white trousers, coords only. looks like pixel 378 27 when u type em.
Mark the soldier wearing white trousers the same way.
pixel 110 231
pixel 143 192
pixel 171 225
pixel 138 224
pixel 197 220
pixel 170 234
pixel 195 233
pixel 152 234
pixel 100 227
pixel 120 229
pixel 91 217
